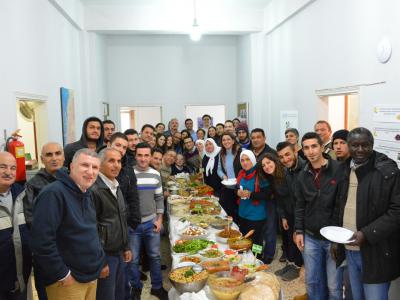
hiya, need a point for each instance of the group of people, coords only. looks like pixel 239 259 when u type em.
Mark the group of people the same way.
pixel 94 213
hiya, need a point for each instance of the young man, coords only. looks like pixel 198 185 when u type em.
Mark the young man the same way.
pixel 369 204
pixel 323 129
pixel 109 129
pixel 191 155
pixel 147 233
pixel 189 127
pixel 15 255
pixel 52 157
pixel 293 165
pixel 316 192
pixel 220 132
pixel 207 122
pixel 339 144
pixel 156 159
pixel 147 133
pixel 65 241
pixel 133 140
pixel 229 127
pixel 92 137
pixel 177 139
pixel 112 225
pixel 242 133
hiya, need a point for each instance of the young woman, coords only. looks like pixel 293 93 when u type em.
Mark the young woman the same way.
pixel 169 143
pixel 228 168
pixel 184 134
pixel 161 141
pixel 212 132
pixel 270 168
pixel 160 128
pixel 179 166
pixel 210 165
pixel 253 194
pixel 292 136
pixel 201 134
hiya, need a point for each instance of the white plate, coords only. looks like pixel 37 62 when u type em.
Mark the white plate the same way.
pixel 229 182
pixel 337 234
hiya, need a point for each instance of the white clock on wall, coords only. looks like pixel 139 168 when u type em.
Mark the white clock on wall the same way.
pixel 384 51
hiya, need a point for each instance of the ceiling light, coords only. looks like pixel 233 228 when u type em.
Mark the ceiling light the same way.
pixel 195 32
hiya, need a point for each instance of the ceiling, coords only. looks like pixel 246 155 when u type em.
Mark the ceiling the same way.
pixel 174 16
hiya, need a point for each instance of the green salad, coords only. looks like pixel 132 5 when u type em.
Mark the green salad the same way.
pixel 191 246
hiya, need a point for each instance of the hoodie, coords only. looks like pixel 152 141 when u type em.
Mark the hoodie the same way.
pixel 64 233
pixel 70 149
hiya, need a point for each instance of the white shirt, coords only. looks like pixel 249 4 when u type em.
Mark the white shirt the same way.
pixel 111 184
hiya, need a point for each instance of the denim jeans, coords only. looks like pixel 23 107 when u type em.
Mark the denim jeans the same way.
pixel 360 290
pixel 323 280
pixel 270 231
pixel 112 287
pixel 144 235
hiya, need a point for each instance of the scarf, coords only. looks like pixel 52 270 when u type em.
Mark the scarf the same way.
pixel 249 175
pixel 211 156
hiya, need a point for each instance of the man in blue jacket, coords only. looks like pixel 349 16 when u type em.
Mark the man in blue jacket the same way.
pixel 65 241
pixel 15 255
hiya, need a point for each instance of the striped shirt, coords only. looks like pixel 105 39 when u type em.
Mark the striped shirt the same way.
pixel 150 191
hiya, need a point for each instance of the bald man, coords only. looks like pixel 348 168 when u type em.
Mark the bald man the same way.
pixel 52 157
pixel 15 255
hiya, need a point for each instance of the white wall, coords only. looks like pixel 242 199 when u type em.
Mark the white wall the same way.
pixel 39 53
pixel 329 44
pixel 171 71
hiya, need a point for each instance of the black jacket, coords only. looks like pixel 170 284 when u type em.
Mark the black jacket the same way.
pixel 287 203
pixel 70 149
pixel 32 190
pixel 64 233
pixel 213 179
pixel 267 149
pixel 377 216
pixel 111 218
pixel 128 184
pixel 315 207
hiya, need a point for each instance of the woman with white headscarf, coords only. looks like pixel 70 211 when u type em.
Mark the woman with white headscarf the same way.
pixel 210 165
pixel 200 147
pixel 254 192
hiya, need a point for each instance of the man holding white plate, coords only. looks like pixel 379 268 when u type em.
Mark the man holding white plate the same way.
pixel 369 204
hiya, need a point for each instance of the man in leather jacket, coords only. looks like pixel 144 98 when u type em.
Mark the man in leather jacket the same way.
pixel 112 225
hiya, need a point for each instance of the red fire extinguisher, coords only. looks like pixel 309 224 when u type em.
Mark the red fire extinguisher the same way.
pixel 17 148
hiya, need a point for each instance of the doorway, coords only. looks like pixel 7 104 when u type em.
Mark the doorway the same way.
pixel 136 116
pixel 32 122
pixel 343 111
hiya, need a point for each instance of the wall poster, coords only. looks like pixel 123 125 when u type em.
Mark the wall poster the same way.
pixel 67 115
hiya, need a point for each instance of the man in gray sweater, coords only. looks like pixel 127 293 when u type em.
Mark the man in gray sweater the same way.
pixel 147 233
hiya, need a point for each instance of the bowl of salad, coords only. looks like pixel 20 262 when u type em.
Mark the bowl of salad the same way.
pixel 188 279
pixel 190 246
pixel 211 254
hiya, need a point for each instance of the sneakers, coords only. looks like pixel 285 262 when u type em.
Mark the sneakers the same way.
pixel 283 270
pixel 136 294
pixel 292 273
pixel 160 293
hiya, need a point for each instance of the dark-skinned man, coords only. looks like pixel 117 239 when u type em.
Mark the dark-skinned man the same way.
pixel 369 204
